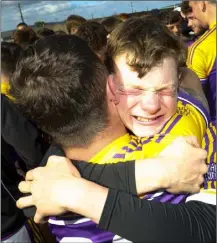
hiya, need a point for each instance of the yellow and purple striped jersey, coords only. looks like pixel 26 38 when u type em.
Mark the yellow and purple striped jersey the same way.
pixel 190 119
pixel 207 193
pixel 202 60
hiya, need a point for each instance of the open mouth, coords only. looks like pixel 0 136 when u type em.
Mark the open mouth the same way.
pixel 149 121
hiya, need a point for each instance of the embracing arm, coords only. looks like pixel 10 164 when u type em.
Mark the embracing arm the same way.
pixel 168 171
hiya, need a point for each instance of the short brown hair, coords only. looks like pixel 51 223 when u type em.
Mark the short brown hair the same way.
pixel 25 37
pixel 111 23
pixel 146 42
pixel 185 8
pixel 74 21
pixel 94 34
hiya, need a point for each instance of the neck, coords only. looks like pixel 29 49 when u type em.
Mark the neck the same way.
pixel 114 130
pixel 211 16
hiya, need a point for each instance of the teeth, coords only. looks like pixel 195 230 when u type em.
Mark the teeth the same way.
pixel 144 119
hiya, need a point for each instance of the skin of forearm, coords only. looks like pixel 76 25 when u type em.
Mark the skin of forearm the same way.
pixel 87 199
pixel 150 175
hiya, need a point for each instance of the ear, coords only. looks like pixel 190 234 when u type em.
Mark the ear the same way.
pixel 202 5
pixel 111 90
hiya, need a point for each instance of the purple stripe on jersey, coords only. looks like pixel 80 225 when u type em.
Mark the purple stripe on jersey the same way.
pixel 213 184
pixel 197 103
pixel 165 197
pixel 211 94
pixel 119 156
pixel 169 128
pixel 133 143
pixel 139 149
pixel 148 196
pixel 206 139
pixel 178 199
pixel 147 140
pixel 86 230
pixel 214 143
pixel 127 149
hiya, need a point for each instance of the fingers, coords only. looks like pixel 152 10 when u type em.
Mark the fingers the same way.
pixel 34 174
pixel 25 186
pixel 39 219
pixel 52 160
pixel 24 202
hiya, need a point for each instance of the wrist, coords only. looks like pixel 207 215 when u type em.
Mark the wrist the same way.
pixel 86 198
pixel 151 175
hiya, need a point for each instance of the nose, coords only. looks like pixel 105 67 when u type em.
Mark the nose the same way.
pixel 150 102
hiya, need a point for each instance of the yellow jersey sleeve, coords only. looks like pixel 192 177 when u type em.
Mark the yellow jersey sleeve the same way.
pixel 207 193
pixel 202 54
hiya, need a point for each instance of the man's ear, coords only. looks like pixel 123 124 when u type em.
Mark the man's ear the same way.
pixel 111 90
pixel 202 5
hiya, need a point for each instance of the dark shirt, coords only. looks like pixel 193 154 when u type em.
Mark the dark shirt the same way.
pixel 21 141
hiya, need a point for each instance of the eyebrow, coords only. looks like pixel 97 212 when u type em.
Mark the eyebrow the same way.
pixel 140 87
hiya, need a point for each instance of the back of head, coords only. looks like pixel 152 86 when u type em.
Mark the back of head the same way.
pixel 25 37
pixel 94 34
pixel 44 32
pixel 111 23
pixel 10 53
pixel 21 25
pixel 61 84
pixel 145 42
pixel 73 22
pixel 169 17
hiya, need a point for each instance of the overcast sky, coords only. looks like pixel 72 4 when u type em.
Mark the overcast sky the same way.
pixel 51 11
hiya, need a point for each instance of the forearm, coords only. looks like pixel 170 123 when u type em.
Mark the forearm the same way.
pixel 146 221
pixel 132 177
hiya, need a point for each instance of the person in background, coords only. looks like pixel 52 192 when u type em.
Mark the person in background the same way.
pixel 44 32
pixel 25 37
pixel 202 53
pixel 10 53
pixel 111 23
pixel 21 26
pixel 95 35
pixel 193 23
pixel 73 22
pixel 172 20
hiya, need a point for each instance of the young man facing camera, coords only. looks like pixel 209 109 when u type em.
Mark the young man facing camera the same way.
pixel 82 95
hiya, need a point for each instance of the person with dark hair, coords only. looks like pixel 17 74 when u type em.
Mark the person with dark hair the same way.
pixel 172 20
pixel 202 54
pixel 193 23
pixel 73 22
pixel 21 26
pixel 111 23
pixel 65 118
pixel 44 32
pixel 10 53
pixel 25 37
pixel 95 35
